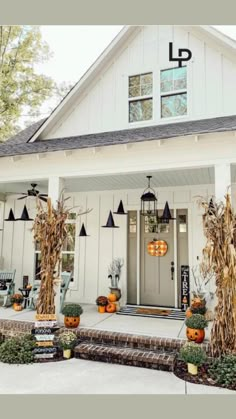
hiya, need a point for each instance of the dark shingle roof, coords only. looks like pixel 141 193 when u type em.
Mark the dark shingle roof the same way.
pixel 19 145
pixel 25 135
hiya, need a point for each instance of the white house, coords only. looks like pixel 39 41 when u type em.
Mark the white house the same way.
pixel 134 113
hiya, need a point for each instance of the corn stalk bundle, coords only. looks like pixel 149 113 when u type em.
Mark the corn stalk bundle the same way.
pixel 219 256
pixel 50 233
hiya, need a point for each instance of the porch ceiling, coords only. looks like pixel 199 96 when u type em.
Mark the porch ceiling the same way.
pixel 170 178
pixel 181 177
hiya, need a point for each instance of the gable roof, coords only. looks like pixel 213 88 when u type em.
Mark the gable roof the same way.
pixel 21 146
pixel 109 52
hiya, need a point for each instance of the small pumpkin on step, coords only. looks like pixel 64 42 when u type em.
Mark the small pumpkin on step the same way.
pixel 111 308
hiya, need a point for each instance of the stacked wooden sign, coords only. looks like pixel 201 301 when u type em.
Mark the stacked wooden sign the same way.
pixel 44 330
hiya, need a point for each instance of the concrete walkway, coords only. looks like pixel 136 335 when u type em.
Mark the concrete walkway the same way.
pixel 113 322
pixel 88 377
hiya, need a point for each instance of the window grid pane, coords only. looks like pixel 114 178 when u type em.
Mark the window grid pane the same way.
pixel 173 105
pixel 173 79
pixel 140 85
pixel 140 110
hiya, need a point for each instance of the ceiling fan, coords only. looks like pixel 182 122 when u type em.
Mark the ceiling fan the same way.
pixel 33 193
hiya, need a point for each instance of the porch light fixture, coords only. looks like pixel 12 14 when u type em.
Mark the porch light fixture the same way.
pixel 149 200
pixel 11 216
pixel 110 222
pixel 120 210
pixel 25 215
pixel 83 232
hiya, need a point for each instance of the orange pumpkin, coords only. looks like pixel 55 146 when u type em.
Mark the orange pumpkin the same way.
pixel 101 309
pixel 157 248
pixel 71 322
pixel 112 298
pixel 17 307
pixel 188 313
pixel 195 335
pixel 111 308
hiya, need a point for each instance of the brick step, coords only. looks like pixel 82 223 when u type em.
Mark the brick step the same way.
pixel 10 328
pixel 128 340
pixel 125 356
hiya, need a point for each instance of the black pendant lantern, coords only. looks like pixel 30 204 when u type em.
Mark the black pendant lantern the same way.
pixel 148 201
pixel 110 222
pixel 25 215
pixel 120 210
pixel 11 216
pixel 83 232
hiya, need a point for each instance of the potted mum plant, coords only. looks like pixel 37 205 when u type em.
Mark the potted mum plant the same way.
pixel 72 313
pixel 102 302
pixel 195 328
pixel 193 355
pixel 67 341
pixel 16 300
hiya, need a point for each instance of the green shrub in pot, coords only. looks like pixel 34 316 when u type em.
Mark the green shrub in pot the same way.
pixel 67 341
pixel 193 355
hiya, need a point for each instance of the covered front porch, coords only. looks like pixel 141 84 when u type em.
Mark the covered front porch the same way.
pixel 90 256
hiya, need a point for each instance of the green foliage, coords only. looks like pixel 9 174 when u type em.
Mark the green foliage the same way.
pixel 67 339
pixel 223 370
pixel 72 310
pixel 199 310
pixel 22 89
pixel 196 321
pixel 102 301
pixel 192 353
pixel 17 350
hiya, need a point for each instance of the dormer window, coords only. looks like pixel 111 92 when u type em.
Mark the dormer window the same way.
pixel 140 97
pixel 173 92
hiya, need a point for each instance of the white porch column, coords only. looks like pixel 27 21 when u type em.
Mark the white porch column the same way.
pixel 55 187
pixel 222 180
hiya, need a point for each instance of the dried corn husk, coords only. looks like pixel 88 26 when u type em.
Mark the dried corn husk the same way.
pixel 219 255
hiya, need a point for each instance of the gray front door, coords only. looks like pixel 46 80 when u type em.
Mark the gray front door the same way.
pixel 157 281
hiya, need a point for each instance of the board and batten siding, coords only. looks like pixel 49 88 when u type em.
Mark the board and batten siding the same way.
pixel 103 106
pixel 93 254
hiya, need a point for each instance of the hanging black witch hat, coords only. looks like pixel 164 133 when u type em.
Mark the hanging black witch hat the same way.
pixel 25 215
pixel 166 216
pixel 110 222
pixel 211 207
pixel 83 232
pixel 11 216
pixel 120 210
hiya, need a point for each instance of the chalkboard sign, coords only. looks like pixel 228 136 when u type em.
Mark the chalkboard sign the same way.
pixel 185 291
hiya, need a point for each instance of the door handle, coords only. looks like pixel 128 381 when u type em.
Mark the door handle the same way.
pixel 172 270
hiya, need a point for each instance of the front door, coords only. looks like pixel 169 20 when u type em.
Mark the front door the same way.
pixel 157 285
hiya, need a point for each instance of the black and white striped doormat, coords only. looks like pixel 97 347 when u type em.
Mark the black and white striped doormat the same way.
pixel 153 312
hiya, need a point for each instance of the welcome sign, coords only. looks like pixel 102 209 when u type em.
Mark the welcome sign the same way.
pixel 185 291
pixel 43 332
